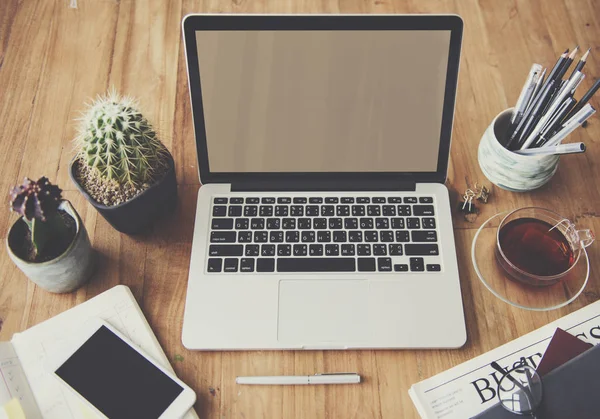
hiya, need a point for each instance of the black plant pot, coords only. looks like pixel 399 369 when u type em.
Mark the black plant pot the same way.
pixel 137 214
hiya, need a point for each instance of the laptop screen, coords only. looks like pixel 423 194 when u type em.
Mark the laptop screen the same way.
pixel 323 101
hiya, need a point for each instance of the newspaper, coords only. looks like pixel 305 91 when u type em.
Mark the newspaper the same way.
pixel 470 388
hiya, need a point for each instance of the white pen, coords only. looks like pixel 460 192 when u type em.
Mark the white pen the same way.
pixel 554 150
pixel 291 380
pixel 526 93
pixel 571 125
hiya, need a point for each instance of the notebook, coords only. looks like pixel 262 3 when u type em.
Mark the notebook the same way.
pixel 23 371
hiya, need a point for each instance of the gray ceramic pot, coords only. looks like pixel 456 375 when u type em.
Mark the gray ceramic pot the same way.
pixel 68 271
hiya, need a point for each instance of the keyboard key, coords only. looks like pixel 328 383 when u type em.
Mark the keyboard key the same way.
pixel 235 201
pixel 331 200
pixel 335 223
pixel 426 200
pixel 428 222
pixel 241 223
pixel 395 249
pixel 316 200
pixel 250 211
pixel 434 268
pixel 257 223
pixel 220 200
pixel 266 211
pixel 363 200
pixel 304 224
pixel 214 265
pixel 281 210
pixel 413 223
pixel 339 236
pixel 288 223
pixel 386 236
pixel 292 236
pixel 268 200
pixel 423 210
pixel 300 250
pixel 247 265
pixel 315 250
pixel 261 237
pixel 299 200
pixel 265 265
pixel 244 237
pixel 312 210
pixel 252 250
pixel 276 237
pixel 332 250
pixel 397 223
pixel 231 264
pixel 388 210
pixel 219 211
pixel 373 210
pixel 316 265
pixel 382 223
pixel 410 200
pixel 424 236
pixel 225 250
pixel 347 200
pixel 252 201
pixel 273 223
pixel 350 223
pixel 395 200
pixel 366 264
pixel 284 250
pixel 308 236
pixel 323 236
pixel 417 265
pixel 366 223
pixel 282 200
pixel 371 236
pixel 384 264
pixel 421 249
pixel 355 236
pixel 267 250
pixel 297 211
pixel 402 236
pixel 235 210
pixel 222 224
pixel 404 210
pixel 348 250
pixel 378 200
pixel 320 223
pixel 327 210
pixel 342 210
pixel 363 249
pixel 402 267
pixel 379 249
pixel 358 210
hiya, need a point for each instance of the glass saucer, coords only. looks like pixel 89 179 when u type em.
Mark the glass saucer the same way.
pixel 515 293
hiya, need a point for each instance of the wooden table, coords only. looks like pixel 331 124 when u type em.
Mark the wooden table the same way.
pixel 54 57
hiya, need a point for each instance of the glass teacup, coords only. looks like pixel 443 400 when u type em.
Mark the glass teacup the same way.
pixel 538 247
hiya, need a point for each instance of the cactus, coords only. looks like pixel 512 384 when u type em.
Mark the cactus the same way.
pixel 37 202
pixel 118 143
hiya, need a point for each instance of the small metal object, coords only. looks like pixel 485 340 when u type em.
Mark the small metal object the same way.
pixel 482 193
pixel 467 206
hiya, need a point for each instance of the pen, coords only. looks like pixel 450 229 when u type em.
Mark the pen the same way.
pixel 584 99
pixel 554 150
pixel 554 122
pixel 526 92
pixel 572 124
pixel 581 63
pixel 533 117
pixel 336 378
pixel 536 90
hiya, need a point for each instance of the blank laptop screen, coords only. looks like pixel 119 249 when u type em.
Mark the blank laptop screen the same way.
pixel 323 101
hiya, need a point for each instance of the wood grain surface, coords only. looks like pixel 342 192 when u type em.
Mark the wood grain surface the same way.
pixel 54 57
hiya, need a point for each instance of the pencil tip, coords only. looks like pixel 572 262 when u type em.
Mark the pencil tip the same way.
pixel 566 51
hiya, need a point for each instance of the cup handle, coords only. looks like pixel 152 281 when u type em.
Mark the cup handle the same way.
pixel 586 237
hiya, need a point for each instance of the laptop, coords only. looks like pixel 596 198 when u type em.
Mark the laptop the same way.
pixel 323 221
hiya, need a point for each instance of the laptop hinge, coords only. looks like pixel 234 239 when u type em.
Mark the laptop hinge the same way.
pixel 332 186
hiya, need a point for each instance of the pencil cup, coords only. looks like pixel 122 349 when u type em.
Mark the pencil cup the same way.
pixel 508 170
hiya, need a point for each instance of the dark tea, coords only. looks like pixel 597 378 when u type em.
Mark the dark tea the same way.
pixel 534 247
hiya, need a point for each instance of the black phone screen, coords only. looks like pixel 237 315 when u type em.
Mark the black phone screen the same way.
pixel 117 379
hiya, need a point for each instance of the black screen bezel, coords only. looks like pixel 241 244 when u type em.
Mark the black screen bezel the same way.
pixel 200 22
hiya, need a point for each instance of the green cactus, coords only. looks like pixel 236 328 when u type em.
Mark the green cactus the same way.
pixel 118 143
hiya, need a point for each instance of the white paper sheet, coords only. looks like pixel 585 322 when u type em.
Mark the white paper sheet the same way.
pixel 13 383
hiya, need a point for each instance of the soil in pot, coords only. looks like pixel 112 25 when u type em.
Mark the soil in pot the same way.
pixel 116 194
pixel 22 246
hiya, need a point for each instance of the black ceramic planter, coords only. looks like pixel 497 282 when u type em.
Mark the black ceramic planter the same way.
pixel 137 214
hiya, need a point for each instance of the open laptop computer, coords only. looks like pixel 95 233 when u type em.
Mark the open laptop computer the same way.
pixel 323 221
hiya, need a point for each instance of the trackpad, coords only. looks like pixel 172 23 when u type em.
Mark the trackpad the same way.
pixel 322 311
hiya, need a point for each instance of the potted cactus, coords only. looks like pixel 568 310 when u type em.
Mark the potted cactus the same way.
pixel 49 243
pixel 122 167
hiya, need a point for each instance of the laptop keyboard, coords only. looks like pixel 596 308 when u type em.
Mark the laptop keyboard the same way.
pixel 323 234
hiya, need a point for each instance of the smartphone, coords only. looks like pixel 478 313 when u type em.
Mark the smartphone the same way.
pixel 117 379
